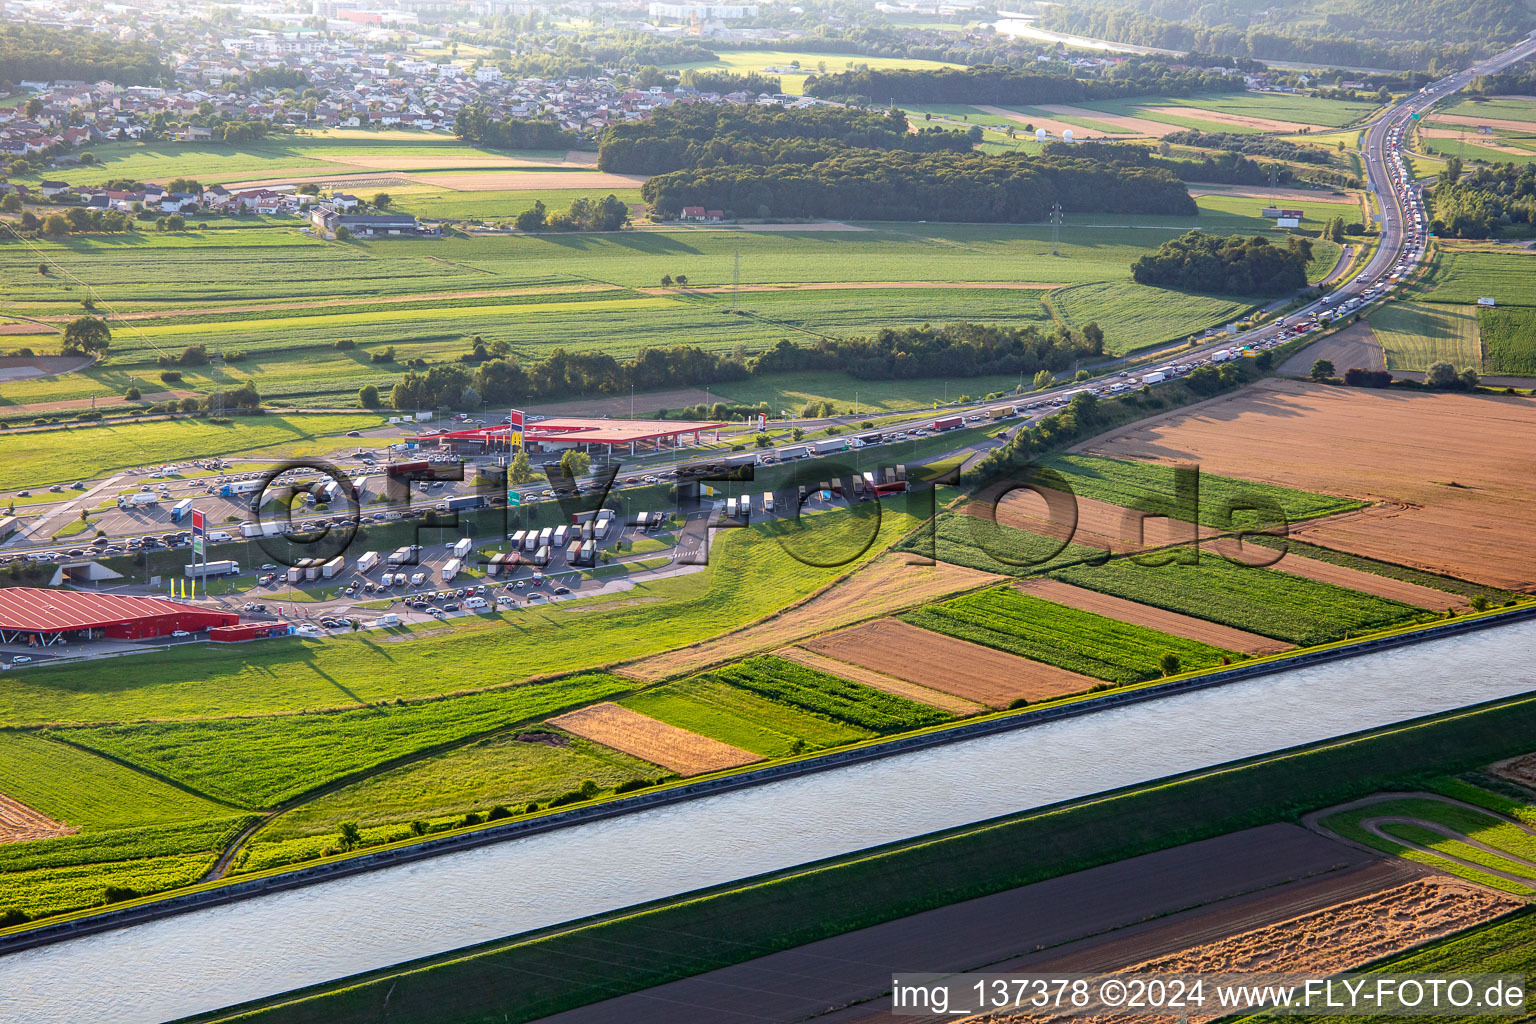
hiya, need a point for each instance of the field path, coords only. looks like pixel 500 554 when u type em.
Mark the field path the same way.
pixel 880 681
pixel 1368 583
pixel 1186 626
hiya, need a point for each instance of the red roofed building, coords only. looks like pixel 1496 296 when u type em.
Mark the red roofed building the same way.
pixel 39 615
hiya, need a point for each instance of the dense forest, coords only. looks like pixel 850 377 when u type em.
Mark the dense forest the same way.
pixel 708 135
pixel 726 82
pixel 1250 145
pixel 475 124
pixel 954 350
pixel 34 53
pixel 967 187
pixel 1006 86
pixel 1362 33
pixel 1200 262
pixel 1497 201
pixel 1519 80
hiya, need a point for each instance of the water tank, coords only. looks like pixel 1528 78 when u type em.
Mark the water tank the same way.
pixel 1039 134
pixel 1066 135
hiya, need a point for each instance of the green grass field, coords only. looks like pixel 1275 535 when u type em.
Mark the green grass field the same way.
pixel 262 762
pixel 1509 340
pixel 712 707
pixel 1079 641
pixel 743 61
pixel 1414 335
pixel 1264 601
pixel 1474 825
pixel 503 769
pixel 749 576
pixel 1463 272
pixel 1276 106
pixel 63 456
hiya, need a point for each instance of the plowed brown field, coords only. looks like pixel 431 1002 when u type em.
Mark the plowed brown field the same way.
pixel 1454 469
pixel 678 750
pixel 18 823
pixel 1212 633
pixel 943 663
pixel 880 681
pixel 1099 524
pixel 1368 583
pixel 886 585
pixel 1520 770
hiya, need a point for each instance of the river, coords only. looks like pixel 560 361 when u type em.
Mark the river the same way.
pixel 218 956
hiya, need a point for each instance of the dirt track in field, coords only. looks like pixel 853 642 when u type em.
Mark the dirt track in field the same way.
pixel 941 662
pixel 19 823
pixel 1354 346
pixel 839 286
pixel 1369 583
pixel 1268 124
pixel 1454 468
pixel 1323 942
pixel 1133 125
pixel 880 681
pixel 888 584
pixel 1186 626
pixel 678 750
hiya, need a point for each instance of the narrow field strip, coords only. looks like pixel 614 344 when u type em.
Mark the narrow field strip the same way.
pixel 881 681
pixel 936 661
pixel 1369 583
pixel 1160 619
pixel 630 732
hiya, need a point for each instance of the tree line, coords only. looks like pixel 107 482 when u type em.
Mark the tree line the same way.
pixel 966 187
pixel 1517 81
pixel 475 124
pixel 956 350
pixel 1250 145
pixel 1491 201
pixel 33 52
pixel 726 82
pixel 706 135
pixel 1012 86
pixel 1232 265
pixel 584 214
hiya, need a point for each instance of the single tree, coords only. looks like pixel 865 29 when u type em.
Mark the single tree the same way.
pixel 132 395
pixel 682 280
pixel 351 835
pixel 520 472
pixel 368 396
pixel 55 224
pixel 797 434
pixel 11 203
pixel 86 334
pixel 382 200
pixel 1169 664
pixel 1322 369
pixel 1441 375
pixel 575 463
pixel 343 234
pixel 666 280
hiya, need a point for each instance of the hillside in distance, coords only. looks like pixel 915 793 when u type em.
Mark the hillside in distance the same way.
pixel 1394 34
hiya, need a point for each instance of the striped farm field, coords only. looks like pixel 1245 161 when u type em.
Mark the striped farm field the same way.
pixel 1273 604
pixel 968 671
pixel 1078 641
pixel 1415 335
pixel 879 681
pixel 740 718
pixel 637 735
pixel 1204 631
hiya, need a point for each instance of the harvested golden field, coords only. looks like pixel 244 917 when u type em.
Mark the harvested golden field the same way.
pixel 18 823
pixel 1153 618
pixel 1327 941
pixel 888 584
pixel 678 750
pixel 1452 471
pixel 1369 583
pixel 1354 346
pixel 1133 125
pixel 880 681
pixel 940 662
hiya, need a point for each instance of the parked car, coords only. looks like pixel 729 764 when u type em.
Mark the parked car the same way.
pixel 178 634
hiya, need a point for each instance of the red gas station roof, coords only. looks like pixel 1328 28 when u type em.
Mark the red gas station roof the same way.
pixel 45 610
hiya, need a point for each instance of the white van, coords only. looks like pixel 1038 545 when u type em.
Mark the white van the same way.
pixel 476 604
